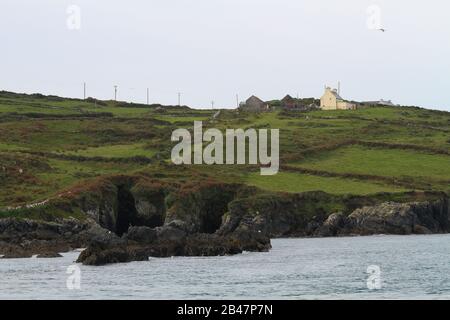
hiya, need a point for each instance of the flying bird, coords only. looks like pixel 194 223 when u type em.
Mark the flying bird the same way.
pixel 382 30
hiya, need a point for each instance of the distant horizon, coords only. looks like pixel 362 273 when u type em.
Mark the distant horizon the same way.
pixel 211 50
pixel 194 107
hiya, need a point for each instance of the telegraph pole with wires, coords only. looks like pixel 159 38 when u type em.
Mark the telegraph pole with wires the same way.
pixel 115 93
pixel 179 98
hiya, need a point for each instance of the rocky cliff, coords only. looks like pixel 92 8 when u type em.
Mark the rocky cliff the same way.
pixel 126 218
pixel 391 218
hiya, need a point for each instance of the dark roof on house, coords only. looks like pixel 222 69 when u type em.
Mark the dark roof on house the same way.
pixel 336 94
pixel 254 99
pixel 288 98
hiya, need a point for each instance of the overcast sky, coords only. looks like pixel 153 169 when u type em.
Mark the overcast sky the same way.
pixel 215 49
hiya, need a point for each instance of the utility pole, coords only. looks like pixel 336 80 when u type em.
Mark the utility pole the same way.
pixel 147 97
pixel 84 90
pixel 179 98
pixel 237 101
pixel 115 93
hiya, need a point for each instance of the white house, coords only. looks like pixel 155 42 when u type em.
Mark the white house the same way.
pixel 381 102
pixel 331 100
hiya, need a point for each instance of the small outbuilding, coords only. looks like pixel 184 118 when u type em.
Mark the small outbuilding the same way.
pixel 380 102
pixel 289 103
pixel 254 104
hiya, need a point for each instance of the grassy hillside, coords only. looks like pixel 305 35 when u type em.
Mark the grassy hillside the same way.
pixel 49 144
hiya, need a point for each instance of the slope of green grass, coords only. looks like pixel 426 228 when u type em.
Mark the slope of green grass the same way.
pixel 115 151
pixel 412 153
pixel 381 162
pixel 294 182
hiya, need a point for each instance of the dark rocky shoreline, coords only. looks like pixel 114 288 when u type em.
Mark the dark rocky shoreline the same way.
pixel 127 219
pixel 24 238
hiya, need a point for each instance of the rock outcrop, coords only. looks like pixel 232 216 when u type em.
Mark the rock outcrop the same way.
pixel 400 218
pixel 390 218
pixel 130 219
pixel 24 237
pixel 113 249
pixel 49 255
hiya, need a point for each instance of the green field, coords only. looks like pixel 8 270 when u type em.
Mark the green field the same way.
pixel 294 182
pixel 381 162
pixel 49 144
pixel 115 151
pixel 432 168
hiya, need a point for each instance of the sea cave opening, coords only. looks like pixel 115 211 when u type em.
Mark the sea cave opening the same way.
pixel 126 210
pixel 213 213
pixel 131 213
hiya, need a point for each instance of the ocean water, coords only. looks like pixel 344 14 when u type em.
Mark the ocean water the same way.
pixel 406 267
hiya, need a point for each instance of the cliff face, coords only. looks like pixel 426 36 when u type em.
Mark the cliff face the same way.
pixel 132 218
pixel 199 209
pixel 218 219
pixel 123 201
pixel 392 218
pixel 21 238
pixel 291 216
